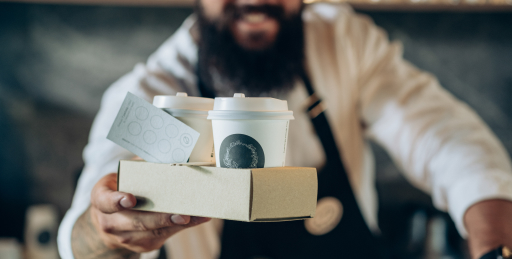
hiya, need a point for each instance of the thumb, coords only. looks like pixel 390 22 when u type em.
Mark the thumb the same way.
pixel 106 199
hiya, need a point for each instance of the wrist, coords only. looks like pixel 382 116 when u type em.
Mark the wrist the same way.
pixel 502 252
pixel 489 226
pixel 98 231
pixel 87 242
pixel 484 251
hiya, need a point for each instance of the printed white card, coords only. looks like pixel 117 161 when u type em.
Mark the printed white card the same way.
pixel 151 133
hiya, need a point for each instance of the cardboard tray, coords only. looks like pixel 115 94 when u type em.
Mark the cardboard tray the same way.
pixel 264 194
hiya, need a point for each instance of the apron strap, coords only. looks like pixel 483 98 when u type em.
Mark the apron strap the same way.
pixel 316 112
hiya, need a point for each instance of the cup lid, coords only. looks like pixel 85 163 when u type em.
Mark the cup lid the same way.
pixel 240 103
pixel 253 108
pixel 183 101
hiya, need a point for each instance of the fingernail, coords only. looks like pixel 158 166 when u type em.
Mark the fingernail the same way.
pixel 178 219
pixel 126 203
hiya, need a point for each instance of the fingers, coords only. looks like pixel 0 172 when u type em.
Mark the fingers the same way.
pixel 143 241
pixel 135 238
pixel 199 220
pixel 106 199
pixel 130 220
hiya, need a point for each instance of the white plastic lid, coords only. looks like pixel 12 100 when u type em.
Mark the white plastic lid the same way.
pixel 240 103
pixel 252 108
pixel 183 101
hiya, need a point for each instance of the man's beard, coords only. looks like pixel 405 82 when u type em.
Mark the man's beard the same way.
pixel 222 61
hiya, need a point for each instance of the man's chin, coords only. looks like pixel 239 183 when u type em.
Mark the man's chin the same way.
pixel 256 45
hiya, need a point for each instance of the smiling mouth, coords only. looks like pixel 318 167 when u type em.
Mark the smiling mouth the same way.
pixel 254 17
pixel 255 29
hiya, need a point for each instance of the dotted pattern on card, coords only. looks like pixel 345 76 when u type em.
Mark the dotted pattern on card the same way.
pixel 151 133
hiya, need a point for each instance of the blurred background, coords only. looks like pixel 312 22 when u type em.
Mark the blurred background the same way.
pixel 56 60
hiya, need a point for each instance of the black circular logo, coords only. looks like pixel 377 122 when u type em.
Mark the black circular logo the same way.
pixel 241 151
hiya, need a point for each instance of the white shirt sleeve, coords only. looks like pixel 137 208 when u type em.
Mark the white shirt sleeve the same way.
pixel 441 145
pixel 168 70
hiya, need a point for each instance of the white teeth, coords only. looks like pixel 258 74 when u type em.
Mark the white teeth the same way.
pixel 255 17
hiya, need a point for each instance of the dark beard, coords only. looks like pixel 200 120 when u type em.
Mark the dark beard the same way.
pixel 252 72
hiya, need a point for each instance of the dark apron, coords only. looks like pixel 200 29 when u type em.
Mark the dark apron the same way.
pixel 350 238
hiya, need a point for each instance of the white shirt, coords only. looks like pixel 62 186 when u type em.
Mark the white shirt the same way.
pixel 440 144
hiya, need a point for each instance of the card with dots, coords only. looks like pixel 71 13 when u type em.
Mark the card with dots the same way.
pixel 151 133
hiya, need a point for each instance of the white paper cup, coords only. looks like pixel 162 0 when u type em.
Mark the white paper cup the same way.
pixel 192 111
pixel 250 132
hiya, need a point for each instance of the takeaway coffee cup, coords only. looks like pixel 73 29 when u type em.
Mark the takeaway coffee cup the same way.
pixel 192 111
pixel 250 132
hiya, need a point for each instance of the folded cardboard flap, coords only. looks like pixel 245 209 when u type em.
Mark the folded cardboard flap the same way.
pixel 265 194
pixel 282 191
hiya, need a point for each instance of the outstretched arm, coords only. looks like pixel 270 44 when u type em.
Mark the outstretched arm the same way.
pixel 441 145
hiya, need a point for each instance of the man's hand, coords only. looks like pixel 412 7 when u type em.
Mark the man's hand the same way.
pixel 109 229
pixel 489 225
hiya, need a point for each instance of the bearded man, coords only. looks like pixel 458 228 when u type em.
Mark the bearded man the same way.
pixel 356 85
